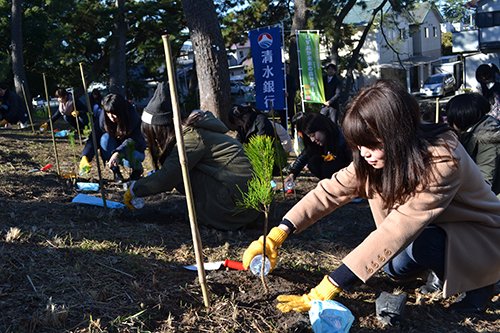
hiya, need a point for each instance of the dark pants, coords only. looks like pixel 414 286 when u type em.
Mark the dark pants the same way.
pixel 130 158
pixel 428 252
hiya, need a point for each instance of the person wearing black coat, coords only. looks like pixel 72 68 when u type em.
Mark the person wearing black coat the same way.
pixel 325 149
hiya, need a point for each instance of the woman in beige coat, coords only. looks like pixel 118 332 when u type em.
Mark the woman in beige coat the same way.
pixel 431 206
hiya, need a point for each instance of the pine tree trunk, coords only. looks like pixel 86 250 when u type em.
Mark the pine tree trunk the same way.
pixel 117 59
pixel 210 55
pixel 298 23
pixel 17 50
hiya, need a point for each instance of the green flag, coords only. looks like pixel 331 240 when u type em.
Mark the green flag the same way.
pixel 312 80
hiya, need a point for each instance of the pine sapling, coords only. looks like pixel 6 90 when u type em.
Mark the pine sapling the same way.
pixel 260 152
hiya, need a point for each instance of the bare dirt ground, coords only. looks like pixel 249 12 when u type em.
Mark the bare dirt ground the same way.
pixel 76 268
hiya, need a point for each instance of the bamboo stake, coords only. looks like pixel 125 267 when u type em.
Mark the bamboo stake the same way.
pixel 77 122
pixel 185 172
pixel 51 125
pixel 94 137
pixel 27 108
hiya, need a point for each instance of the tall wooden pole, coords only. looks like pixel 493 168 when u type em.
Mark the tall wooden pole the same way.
pixel 185 171
pixel 50 123
pixel 94 137
pixel 27 108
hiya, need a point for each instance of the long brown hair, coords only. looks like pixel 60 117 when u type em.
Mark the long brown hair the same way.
pixel 117 105
pixel 386 115
pixel 161 138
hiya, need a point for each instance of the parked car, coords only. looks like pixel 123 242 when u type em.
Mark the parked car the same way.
pixel 438 85
pixel 238 88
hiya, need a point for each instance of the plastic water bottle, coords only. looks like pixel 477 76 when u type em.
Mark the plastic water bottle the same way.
pixel 289 186
pixel 256 264
pixel 138 203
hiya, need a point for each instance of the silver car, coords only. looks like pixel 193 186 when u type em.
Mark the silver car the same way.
pixel 438 85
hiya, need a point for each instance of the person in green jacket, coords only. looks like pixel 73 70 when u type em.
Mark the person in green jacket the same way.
pixel 479 133
pixel 218 168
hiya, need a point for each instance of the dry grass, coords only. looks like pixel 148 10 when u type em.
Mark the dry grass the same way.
pixel 82 269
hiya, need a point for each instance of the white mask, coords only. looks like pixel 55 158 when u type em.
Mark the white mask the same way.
pixel 490 85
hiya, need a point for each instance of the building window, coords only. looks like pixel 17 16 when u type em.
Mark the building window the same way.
pixel 426 32
pixel 434 31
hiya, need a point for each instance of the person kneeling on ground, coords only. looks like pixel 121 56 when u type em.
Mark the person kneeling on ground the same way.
pixel 218 167
pixel 12 109
pixel 120 137
pixel 431 206
pixel 325 149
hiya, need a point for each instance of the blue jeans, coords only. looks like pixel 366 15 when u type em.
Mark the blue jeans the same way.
pixel 129 158
pixel 425 252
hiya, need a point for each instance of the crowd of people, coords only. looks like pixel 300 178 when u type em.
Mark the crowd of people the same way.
pixel 431 186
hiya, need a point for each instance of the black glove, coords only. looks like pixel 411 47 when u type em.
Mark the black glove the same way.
pixel 390 308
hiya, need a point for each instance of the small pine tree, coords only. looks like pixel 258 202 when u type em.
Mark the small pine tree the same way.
pixel 260 152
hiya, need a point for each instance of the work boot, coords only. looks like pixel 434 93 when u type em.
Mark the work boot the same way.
pixel 136 174
pixel 117 175
pixel 475 301
pixel 432 284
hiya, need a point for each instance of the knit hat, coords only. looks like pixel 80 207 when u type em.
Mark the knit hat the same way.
pixel 159 109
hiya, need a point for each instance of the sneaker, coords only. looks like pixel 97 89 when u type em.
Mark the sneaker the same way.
pixel 474 302
pixel 117 175
pixel 432 284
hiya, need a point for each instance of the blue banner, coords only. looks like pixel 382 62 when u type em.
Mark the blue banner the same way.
pixel 269 72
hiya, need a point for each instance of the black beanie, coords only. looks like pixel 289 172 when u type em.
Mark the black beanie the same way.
pixel 159 109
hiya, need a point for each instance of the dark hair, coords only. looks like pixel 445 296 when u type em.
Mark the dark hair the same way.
pixel 245 114
pixel 309 122
pixel 4 85
pixel 386 116
pixel 331 66
pixel 161 138
pixel 465 110
pixel 486 73
pixel 62 93
pixel 117 105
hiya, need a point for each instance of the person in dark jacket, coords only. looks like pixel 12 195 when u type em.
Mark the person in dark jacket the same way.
pixel 250 122
pixel 478 132
pixel 218 167
pixel 488 77
pixel 120 137
pixel 325 149
pixel 12 109
pixel 72 112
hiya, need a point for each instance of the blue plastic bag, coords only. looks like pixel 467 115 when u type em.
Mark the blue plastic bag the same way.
pixel 330 317
pixel 91 187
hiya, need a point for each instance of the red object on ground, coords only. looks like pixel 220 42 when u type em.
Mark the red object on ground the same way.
pixel 238 265
pixel 47 167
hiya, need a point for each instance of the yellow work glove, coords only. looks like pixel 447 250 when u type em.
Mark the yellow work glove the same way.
pixel 75 113
pixel 84 166
pixel 323 291
pixel 44 127
pixel 129 196
pixel 274 239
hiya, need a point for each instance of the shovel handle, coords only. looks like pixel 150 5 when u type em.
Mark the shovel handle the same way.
pixel 238 265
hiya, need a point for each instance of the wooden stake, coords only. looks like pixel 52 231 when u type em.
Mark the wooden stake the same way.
pixel 77 122
pixel 51 126
pixel 94 137
pixel 27 108
pixel 437 110
pixel 185 171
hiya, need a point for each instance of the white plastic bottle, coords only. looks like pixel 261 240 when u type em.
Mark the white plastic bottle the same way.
pixel 289 186
pixel 138 203
pixel 256 264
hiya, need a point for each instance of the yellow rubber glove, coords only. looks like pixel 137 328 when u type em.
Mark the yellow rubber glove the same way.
pixel 129 196
pixel 322 292
pixel 84 166
pixel 274 239
pixel 75 113
pixel 44 127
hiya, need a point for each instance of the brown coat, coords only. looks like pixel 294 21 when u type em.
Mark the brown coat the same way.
pixel 458 200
